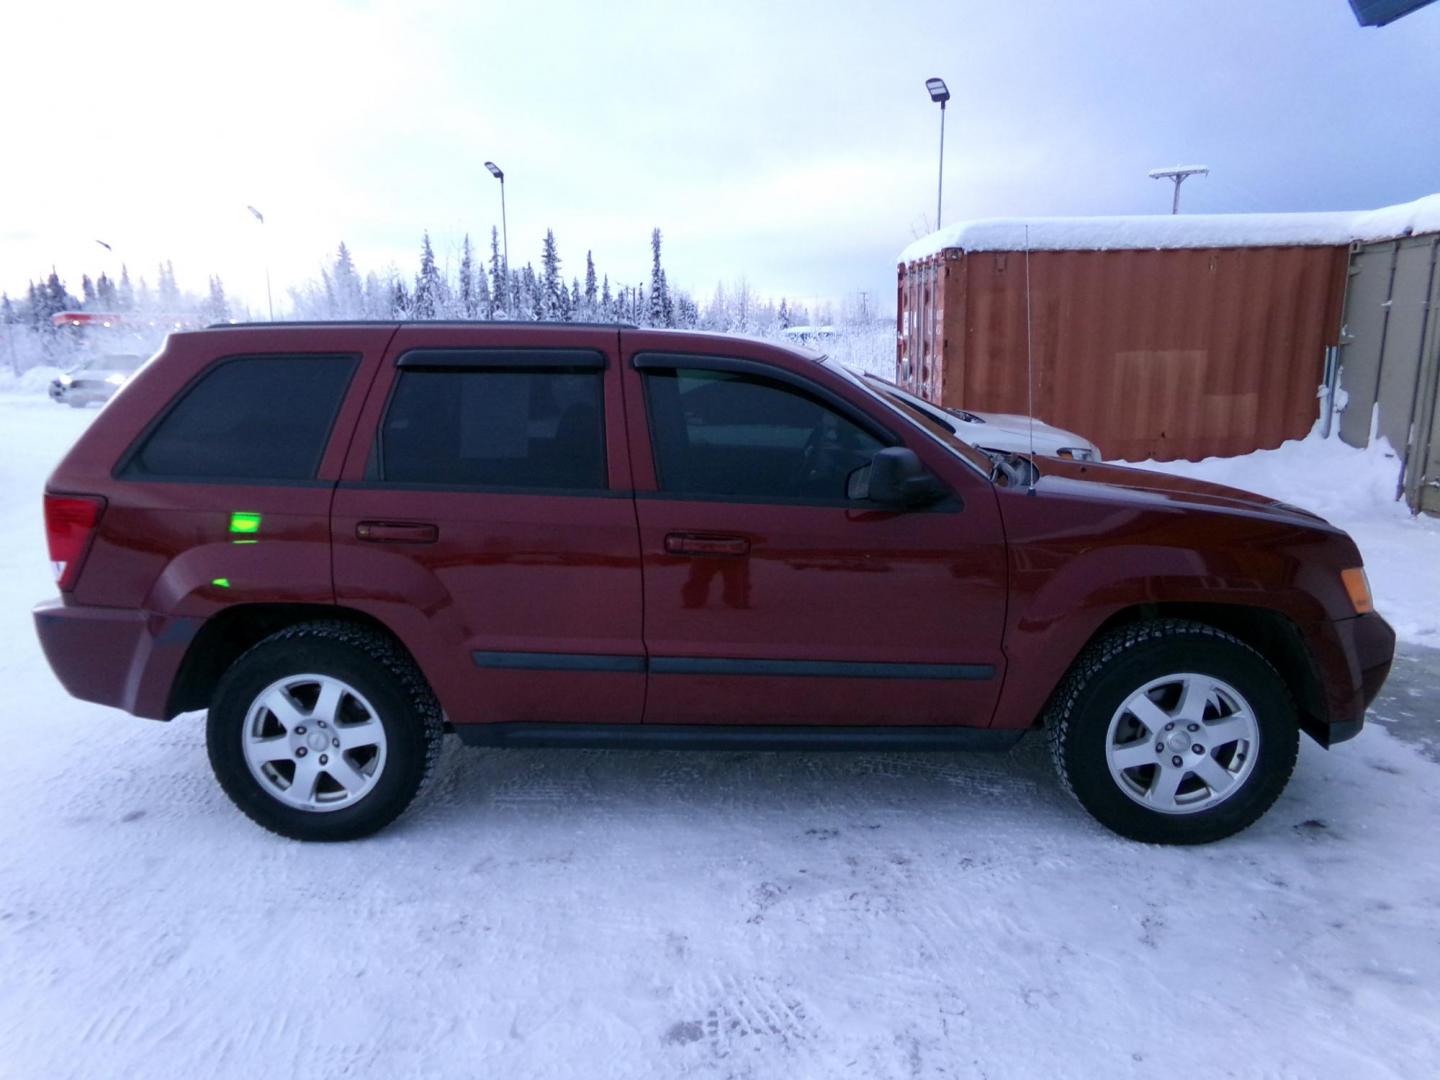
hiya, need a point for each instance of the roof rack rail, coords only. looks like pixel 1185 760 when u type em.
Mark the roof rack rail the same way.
pixel 424 322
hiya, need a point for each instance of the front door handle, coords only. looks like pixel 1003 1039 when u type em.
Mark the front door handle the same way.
pixel 705 544
pixel 397 532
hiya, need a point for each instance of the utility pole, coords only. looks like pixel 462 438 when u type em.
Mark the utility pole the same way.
pixel 269 300
pixel 1178 173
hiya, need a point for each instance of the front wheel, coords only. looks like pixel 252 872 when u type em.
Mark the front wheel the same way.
pixel 1174 732
pixel 323 731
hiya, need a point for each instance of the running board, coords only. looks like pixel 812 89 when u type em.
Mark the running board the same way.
pixel 738 737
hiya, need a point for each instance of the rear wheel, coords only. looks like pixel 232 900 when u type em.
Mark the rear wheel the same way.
pixel 1174 732
pixel 324 731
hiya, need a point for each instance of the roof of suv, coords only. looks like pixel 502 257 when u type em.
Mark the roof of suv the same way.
pixel 527 323
pixel 795 349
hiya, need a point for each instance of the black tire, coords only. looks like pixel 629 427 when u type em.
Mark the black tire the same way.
pixel 1117 665
pixel 374 666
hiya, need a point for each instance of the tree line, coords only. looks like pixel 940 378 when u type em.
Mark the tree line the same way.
pixel 480 287
pixel 489 288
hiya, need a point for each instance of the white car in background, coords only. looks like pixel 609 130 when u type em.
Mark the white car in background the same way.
pixel 95 379
pixel 1005 433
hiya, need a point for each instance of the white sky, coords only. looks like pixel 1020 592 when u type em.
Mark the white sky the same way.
pixel 792 143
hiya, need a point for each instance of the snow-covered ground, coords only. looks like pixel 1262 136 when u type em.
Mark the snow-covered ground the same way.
pixel 588 914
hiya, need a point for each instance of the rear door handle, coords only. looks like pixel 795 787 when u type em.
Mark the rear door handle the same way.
pixel 706 544
pixel 397 532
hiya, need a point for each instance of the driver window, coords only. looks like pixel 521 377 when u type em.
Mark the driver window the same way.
pixel 722 434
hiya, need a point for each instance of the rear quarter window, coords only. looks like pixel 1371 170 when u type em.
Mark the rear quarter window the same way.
pixel 249 418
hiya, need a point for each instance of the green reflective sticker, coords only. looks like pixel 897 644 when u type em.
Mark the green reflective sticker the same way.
pixel 220 582
pixel 244 522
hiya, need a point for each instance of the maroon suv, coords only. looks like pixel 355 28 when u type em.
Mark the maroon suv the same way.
pixel 342 539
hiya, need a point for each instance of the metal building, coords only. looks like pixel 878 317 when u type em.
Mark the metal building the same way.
pixel 1187 337
pixel 1390 355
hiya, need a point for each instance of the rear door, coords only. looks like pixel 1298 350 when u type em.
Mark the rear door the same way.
pixel 770 597
pixel 485 516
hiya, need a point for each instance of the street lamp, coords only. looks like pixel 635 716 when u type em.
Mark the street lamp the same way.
pixel 269 300
pixel 499 174
pixel 939 92
pixel 1178 173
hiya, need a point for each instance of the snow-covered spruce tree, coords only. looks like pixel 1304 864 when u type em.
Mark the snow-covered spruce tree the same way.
pixel 399 301
pixel 429 290
pixel 169 292
pixel 607 302
pixel 87 292
pixel 126 294
pixel 500 300
pixel 469 302
pixel 574 303
pixel 784 316
pixel 687 314
pixel 349 295
pixel 376 297
pixel 660 313
pixel 217 308
pixel 552 289
pixel 53 298
pixel 591 296
pixel 483 301
pixel 527 294
pixel 105 292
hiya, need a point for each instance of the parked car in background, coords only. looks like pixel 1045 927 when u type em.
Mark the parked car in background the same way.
pixel 814 337
pixel 95 379
pixel 1002 433
pixel 344 539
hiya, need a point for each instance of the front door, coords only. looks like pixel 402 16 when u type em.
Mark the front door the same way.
pixel 485 516
pixel 773 599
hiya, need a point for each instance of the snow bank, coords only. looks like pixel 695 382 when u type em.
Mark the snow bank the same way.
pixel 1354 489
pixel 1160 231
pixel 35 380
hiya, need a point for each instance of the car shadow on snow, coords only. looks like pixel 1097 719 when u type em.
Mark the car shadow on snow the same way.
pixel 1019 784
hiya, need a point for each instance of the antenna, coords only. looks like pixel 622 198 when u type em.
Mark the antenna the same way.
pixel 1029 365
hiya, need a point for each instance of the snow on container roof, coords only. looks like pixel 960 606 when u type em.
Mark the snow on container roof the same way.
pixel 1406 219
pixel 1157 231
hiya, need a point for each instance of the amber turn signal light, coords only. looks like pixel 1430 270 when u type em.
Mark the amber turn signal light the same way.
pixel 1358 586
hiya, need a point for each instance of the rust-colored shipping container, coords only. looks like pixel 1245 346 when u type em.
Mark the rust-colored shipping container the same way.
pixel 1164 352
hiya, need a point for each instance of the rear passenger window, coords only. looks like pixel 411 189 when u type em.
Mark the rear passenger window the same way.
pixel 478 421
pixel 250 418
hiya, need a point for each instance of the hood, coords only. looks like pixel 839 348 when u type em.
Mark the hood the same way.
pixel 1124 484
pixel 1016 424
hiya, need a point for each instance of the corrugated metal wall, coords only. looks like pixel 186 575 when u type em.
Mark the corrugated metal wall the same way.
pixel 1180 353
pixel 1390 357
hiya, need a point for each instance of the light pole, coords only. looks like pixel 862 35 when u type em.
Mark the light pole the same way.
pixel 1178 173
pixel 111 250
pixel 939 92
pixel 269 300
pixel 499 174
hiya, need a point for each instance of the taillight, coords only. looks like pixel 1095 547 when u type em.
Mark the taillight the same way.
pixel 70 521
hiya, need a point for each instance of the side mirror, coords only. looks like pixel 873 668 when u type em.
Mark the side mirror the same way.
pixel 895 478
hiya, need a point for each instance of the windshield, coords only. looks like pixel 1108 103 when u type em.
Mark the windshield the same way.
pixel 940 432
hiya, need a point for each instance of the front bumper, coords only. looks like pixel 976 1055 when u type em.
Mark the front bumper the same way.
pixel 114 656
pixel 1354 660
